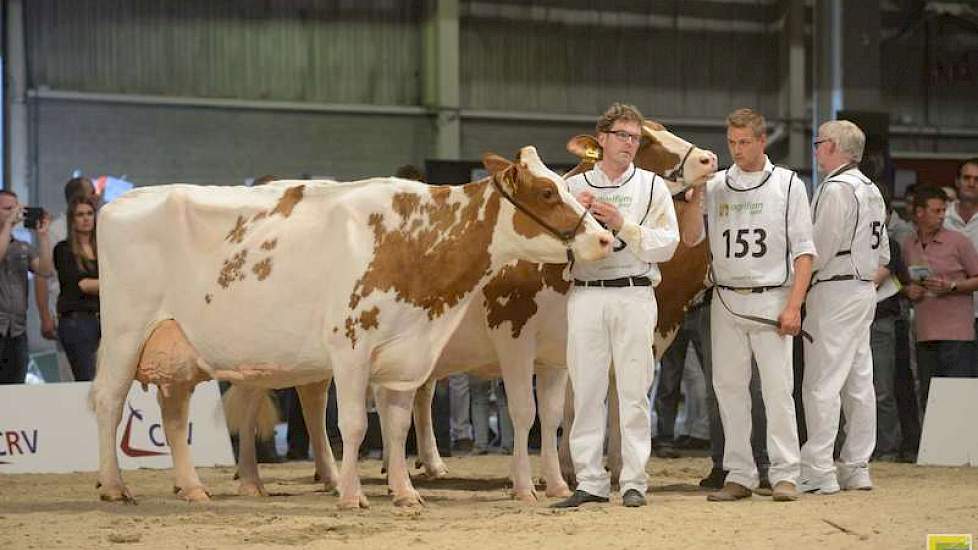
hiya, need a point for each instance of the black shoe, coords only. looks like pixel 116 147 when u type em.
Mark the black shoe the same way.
pixel 764 487
pixel 715 480
pixel 665 450
pixel 633 499
pixel 578 498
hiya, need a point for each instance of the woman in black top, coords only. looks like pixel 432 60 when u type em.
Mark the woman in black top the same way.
pixel 76 260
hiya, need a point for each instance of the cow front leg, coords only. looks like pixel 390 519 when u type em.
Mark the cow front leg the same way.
pixel 313 399
pixel 251 401
pixel 425 433
pixel 174 403
pixel 351 397
pixel 517 367
pixel 396 409
pixel 551 386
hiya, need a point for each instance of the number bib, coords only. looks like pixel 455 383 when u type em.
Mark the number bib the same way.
pixel 748 231
pixel 860 252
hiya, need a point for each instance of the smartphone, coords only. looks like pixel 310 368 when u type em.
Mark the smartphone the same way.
pixel 32 216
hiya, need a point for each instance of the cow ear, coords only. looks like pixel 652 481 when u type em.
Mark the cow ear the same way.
pixel 585 148
pixel 495 164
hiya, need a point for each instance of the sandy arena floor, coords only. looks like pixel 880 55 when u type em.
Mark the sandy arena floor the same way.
pixel 472 509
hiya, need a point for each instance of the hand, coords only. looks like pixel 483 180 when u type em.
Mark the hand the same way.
pixel 789 322
pixel 48 329
pixel 695 195
pixel 43 225
pixel 14 217
pixel 915 292
pixel 938 285
pixel 607 214
pixel 585 198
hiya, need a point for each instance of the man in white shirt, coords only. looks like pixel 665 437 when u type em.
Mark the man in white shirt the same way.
pixel 962 214
pixel 611 311
pixel 761 248
pixel 849 218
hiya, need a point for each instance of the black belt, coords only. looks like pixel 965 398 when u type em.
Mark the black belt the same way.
pixel 79 315
pixel 750 289
pixel 836 278
pixel 616 283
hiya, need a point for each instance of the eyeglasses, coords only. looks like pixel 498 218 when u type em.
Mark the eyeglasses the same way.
pixel 816 143
pixel 625 136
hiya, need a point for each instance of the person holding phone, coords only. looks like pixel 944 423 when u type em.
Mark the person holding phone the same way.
pixel 76 260
pixel 16 259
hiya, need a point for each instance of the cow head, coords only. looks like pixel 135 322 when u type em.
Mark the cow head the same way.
pixel 681 163
pixel 546 220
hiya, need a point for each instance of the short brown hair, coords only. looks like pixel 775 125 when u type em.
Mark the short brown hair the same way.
pixel 748 118
pixel 925 193
pixel 618 111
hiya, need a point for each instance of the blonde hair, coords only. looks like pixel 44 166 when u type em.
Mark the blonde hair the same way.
pixel 74 241
pixel 748 118
pixel 618 111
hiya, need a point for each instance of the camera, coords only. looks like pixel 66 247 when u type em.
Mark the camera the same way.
pixel 32 216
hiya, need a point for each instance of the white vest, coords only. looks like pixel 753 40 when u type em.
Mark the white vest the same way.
pixel 748 230
pixel 859 256
pixel 633 198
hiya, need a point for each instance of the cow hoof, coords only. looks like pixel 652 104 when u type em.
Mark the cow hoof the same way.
pixel 560 491
pixel 529 497
pixel 252 490
pixel 118 495
pixel 408 499
pixel 355 502
pixel 316 478
pixel 194 494
pixel 437 470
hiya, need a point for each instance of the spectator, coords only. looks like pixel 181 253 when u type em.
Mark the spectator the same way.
pixel 883 341
pixel 17 258
pixel 944 271
pixel 76 261
pixel 962 214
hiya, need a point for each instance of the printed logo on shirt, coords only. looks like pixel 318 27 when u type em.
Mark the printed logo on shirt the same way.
pixel 751 208
pixel 621 202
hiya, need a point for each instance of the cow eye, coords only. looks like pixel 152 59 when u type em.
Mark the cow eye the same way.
pixel 547 194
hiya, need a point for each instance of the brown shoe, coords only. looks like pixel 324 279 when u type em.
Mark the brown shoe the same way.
pixel 731 491
pixel 785 491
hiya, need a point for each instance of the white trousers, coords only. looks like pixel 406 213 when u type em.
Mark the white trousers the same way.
pixel 734 341
pixel 610 326
pixel 838 371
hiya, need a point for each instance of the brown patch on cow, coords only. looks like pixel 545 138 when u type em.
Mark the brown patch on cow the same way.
pixel 259 215
pixel 269 244
pixel 291 197
pixel 262 269
pixel 432 266
pixel 652 155
pixel 232 271
pixel 237 233
pixel 654 125
pixel 351 331
pixel 368 319
pixel 682 280
pixel 336 329
pixel 541 196
pixel 511 294
pixel 208 298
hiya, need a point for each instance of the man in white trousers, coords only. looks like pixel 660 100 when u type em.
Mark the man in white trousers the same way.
pixel 849 219
pixel 761 248
pixel 611 311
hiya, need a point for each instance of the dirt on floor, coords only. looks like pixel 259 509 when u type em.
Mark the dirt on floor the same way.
pixel 472 509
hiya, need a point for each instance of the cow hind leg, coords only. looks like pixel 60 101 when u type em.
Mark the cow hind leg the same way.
pixel 424 431
pixel 243 406
pixel 117 358
pixel 551 385
pixel 395 407
pixel 351 396
pixel 613 459
pixel 174 403
pixel 313 399
pixel 563 450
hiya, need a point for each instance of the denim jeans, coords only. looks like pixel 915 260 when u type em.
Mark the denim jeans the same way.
pixel 13 359
pixel 79 336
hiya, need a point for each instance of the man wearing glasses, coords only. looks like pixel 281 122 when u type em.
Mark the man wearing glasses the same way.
pixel 849 218
pixel 760 235
pixel 611 311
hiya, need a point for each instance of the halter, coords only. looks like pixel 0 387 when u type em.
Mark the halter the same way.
pixel 565 237
pixel 677 174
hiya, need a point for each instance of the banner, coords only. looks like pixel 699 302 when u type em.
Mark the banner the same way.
pixel 48 428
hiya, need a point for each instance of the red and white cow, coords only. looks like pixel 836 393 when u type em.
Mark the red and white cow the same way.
pixel 518 328
pixel 278 286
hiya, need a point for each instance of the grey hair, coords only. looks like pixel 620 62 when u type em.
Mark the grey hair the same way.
pixel 846 136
